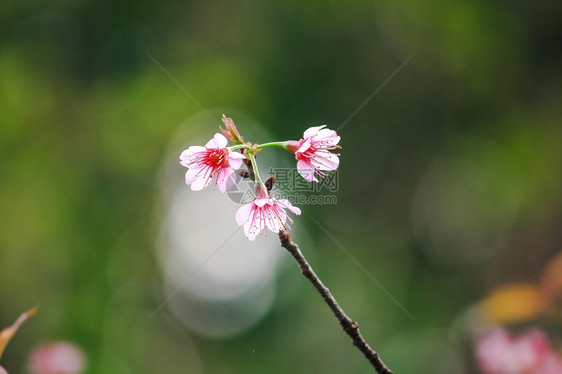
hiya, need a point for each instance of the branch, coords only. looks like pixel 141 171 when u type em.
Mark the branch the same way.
pixel 250 172
pixel 350 327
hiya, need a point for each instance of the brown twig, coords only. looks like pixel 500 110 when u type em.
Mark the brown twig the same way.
pixel 350 327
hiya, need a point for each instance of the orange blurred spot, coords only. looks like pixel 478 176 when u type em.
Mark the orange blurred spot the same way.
pixel 513 303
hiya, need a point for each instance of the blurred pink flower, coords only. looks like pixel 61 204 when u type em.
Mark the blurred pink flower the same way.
pixel 214 158
pixel 552 364
pixel 313 152
pixel 498 352
pixel 57 358
pixel 3 371
pixel 264 211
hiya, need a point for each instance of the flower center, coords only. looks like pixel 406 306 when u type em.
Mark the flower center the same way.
pixel 306 154
pixel 216 157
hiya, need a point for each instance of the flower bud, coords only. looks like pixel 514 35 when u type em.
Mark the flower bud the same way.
pixel 269 182
pixel 231 131
pixel 292 146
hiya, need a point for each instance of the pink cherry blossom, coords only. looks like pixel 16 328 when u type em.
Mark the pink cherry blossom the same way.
pixel 498 352
pixel 57 358
pixel 3 371
pixel 552 364
pixel 264 211
pixel 313 152
pixel 214 158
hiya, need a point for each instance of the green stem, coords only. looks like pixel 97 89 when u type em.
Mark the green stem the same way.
pixel 240 146
pixel 272 144
pixel 255 167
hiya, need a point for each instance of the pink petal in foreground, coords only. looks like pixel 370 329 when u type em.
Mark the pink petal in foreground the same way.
pixel 552 364
pixel 498 352
pixel 57 358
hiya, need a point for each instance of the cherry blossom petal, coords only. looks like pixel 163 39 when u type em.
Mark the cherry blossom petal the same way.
pixel 200 183
pixel 186 155
pixel 194 174
pixel 218 141
pixel 243 213
pixel 327 135
pixel 312 131
pixel 306 170
pixel 287 204
pixel 276 222
pixel 226 179
pixel 253 227
pixel 235 159
pixel 261 201
pixel 304 146
pixel 190 177
pixel 326 161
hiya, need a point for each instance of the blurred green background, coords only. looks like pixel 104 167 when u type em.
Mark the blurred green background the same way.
pixel 450 177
